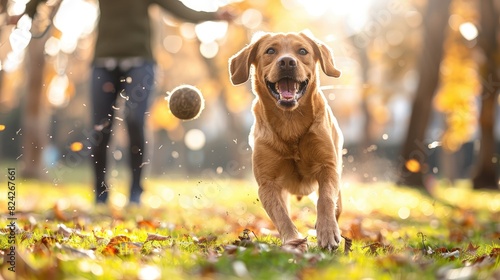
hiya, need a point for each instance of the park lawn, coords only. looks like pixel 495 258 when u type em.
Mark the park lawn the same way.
pixel 216 229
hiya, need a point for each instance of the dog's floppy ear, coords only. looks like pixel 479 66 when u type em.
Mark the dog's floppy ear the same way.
pixel 324 53
pixel 239 64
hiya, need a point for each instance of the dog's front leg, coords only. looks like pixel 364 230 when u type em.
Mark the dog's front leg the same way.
pixel 275 202
pixel 327 228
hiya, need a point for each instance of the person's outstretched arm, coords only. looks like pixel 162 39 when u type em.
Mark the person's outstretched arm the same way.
pixel 181 11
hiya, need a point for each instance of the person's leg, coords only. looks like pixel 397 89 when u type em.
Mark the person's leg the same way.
pixel 103 97
pixel 138 84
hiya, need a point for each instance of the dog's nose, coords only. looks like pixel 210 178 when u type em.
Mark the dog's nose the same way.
pixel 287 63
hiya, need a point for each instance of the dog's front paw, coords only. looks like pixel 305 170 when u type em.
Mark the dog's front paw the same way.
pixel 328 235
pixel 298 245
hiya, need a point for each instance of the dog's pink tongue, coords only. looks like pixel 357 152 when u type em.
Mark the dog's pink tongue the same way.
pixel 287 88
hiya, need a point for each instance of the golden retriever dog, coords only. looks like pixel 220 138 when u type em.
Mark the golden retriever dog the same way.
pixel 296 141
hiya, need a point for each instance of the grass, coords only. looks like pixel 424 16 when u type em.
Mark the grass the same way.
pixel 216 229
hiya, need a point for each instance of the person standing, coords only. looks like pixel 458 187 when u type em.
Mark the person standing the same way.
pixel 124 67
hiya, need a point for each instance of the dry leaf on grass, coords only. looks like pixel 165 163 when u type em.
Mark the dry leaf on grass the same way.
pixel 59 214
pixel 295 246
pixel 347 245
pixel 119 239
pixel 156 237
pixel 148 224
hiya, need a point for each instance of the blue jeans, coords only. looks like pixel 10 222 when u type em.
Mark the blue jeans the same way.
pixel 133 83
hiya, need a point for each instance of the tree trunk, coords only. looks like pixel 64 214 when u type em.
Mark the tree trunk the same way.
pixel 36 112
pixel 3 14
pixel 414 147
pixel 367 138
pixel 485 174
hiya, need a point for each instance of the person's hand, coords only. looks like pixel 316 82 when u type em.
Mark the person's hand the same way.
pixel 226 13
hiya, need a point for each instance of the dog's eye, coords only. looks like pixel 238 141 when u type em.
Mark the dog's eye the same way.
pixel 270 51
pixel 303 51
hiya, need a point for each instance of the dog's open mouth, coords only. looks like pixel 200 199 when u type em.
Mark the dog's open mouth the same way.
pixel 287 91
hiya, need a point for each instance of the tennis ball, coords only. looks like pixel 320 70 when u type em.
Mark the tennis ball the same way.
pixel 186 102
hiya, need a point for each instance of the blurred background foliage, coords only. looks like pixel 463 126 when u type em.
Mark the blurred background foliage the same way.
pixel 379 45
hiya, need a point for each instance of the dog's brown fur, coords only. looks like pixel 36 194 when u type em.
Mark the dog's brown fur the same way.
pixel 297 144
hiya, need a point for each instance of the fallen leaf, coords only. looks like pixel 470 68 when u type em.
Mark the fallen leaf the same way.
pixel 347 245
pixel 356 232
pixel 471 248
pixel 26 235
pixel 130 248
pixel 245 236
pixel 110 251
pixel 147 224
pixel 43 247
pixel 373 247
pixel 231 249
pixel 244 239
pixel 481 261
pixel 296 246
pixel 156 237
pixel 495 252
pixel 451 255
pixel 64 230
pixel 122 245
pixel 48 240
pixel 208 239
pixel 443 250
pixel 58 213
pixel 119 239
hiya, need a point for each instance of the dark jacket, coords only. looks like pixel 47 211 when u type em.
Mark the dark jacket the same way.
pixel 124 26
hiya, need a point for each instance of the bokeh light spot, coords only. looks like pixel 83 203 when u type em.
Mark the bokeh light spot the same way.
pixel 251 18
pixel 76 146
pixel 195 139
pixel 172 43
pixel 404 213
pixel 468 31
pixel 413 165
pixel 209 50
pixel 119 200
